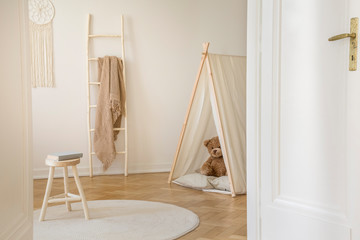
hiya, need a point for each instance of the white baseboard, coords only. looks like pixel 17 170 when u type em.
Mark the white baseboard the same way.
pixel 41 173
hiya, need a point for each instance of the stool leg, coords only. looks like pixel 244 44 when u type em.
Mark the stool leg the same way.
pixel 81 191
pixel 66 188
pixel 47 194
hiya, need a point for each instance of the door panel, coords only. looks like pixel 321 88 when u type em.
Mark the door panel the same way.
pixel 312 103
pixel 299 226
pixel 305 183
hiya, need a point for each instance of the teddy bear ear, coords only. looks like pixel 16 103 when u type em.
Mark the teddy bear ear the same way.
pixel 206 142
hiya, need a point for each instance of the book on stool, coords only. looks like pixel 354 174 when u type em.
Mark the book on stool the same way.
pixel 62 156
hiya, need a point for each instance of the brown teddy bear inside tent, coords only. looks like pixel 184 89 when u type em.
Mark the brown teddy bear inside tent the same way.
pixel 215 165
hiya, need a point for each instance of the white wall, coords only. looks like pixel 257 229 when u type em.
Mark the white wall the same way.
pixel 163 44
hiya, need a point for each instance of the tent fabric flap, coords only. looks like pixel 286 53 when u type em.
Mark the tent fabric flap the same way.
pixel 229 76
pixel 229 79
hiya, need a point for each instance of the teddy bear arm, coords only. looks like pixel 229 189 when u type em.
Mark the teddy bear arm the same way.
pixel 206 168
pixel 219 167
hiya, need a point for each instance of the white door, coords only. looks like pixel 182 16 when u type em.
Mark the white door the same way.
pixel 309 112
pixel 15 125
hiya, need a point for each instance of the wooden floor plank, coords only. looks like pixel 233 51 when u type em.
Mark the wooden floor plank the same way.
pixel 221 216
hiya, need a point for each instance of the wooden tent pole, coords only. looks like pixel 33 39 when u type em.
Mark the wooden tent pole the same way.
pixel 222 139
pixel 204 56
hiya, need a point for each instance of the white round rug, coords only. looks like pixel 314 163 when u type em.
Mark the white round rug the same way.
pixel 115 219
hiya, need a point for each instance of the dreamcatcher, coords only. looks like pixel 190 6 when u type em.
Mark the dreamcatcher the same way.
pixel 41 14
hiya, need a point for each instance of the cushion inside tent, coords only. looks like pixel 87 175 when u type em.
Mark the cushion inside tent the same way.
pixel 205 183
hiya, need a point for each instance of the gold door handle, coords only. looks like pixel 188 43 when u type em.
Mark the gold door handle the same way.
pixel 353 35
pixel 341 36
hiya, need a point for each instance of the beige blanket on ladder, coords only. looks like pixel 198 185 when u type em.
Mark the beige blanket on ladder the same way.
pixel 110 108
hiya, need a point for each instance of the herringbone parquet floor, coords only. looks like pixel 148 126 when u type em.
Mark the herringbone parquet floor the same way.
pixel 221 216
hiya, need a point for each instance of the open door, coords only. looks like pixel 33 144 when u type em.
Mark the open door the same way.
pixel 16 210
pixel 308 122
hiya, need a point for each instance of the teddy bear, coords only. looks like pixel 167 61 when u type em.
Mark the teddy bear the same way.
pixel 215 165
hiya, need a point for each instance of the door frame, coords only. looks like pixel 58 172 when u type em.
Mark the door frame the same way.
pixel 21 225
pixel 253 117
pixel 26 225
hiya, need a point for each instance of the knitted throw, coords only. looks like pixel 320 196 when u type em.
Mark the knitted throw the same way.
pixel 110 108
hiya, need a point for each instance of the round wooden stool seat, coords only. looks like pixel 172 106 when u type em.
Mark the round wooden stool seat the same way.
pixel 65 197
pixel 65 163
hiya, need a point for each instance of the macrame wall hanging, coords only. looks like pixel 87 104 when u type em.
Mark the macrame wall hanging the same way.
pixel 41 14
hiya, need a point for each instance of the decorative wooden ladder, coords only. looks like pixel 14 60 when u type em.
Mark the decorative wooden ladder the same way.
pixel 89 83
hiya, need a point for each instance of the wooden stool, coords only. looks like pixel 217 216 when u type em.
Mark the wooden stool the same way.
pixel 65 197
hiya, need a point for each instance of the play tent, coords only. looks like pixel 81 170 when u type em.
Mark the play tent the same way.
pixel 217 108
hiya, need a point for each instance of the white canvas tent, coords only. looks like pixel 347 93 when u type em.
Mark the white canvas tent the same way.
pixel 217 108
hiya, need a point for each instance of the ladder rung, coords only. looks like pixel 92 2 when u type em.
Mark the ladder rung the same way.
pixel 93 153
pixel 94 83
pixel 93 59
pixel 99 35
pixel 92 106
pixel 115 129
